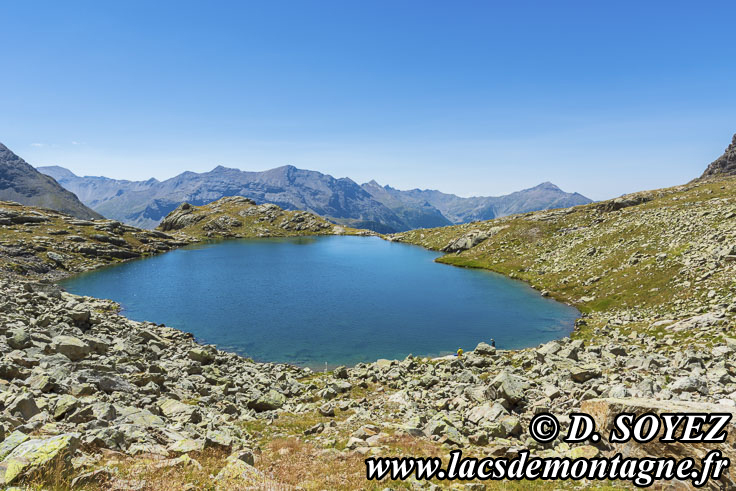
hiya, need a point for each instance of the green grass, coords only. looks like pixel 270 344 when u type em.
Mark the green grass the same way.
pixel 585 257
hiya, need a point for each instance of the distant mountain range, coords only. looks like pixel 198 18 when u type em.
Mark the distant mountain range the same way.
pixel 380 208
pixel 21 183
pixel 454 209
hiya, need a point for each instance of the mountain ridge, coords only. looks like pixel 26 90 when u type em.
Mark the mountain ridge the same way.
pixel 341 200
pixel 22 183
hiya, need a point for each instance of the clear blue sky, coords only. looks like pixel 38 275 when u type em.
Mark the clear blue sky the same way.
pixel 474 98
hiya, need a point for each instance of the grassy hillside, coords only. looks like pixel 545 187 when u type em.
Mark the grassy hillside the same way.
pixel 660 254
pixel 653 273
pixel 235 216
pixel 39 241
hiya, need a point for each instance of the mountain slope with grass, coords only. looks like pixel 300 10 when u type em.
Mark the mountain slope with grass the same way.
pixel 660 254
pixel 652 272
pixel 141 404
pixel 235 216
pixel 21 183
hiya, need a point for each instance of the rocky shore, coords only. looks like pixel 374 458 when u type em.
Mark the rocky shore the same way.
pixel 93 399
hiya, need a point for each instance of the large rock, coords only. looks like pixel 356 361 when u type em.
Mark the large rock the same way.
pixel 73 348
pixel 467 241
pixel 604 411
pixel 269 401
pixel 179 411
pixel 510 387
pixel 584 373
pixel 238 474
pixel 11 442
pixel 484 349
pixel 19 339
pixel 38 456
pixel 219 438
pixel 202 355
pixel 486 413
pixel 186 445
pixel 704 320
pixel 24 406
pixel 180 218
pixel 140 417
pixel 624 202
pixel 65 405
pixel 689 384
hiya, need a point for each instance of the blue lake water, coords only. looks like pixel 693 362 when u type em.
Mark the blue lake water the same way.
pixel 335 300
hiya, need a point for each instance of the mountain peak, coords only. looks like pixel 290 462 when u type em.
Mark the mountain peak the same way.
pixel 22 183
pixel 546 185
pixel 222 168
pixel 56 171
pixel 286 168
pixel 7 155
pixel 725 165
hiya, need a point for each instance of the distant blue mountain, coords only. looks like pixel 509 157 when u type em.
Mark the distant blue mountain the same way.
pixel 380 208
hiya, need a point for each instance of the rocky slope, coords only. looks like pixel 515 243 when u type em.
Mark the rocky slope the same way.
pixel 22 183
pixel 41 242
pixel 236 216
pixel 77 376
pixel 660 254
pixel 123 404
pixel 379 208
pixel 724 165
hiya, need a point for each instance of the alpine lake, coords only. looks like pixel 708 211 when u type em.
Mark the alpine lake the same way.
pixel 327 301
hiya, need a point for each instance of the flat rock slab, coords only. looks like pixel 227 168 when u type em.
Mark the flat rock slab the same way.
pixel 604 412
pixel 38 455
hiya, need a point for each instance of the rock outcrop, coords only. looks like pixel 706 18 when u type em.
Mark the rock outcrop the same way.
pixel 725 165
pixel 235 216
pixel 470 240
pixel 35 241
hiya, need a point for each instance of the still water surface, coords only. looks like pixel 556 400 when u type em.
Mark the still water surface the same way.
pixel 334 300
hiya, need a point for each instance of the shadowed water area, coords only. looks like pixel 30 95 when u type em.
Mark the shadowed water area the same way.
pixel 335 300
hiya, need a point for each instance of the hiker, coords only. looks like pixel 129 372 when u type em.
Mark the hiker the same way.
pixel 459 352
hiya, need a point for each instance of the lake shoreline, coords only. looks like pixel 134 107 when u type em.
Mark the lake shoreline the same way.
pixel 341 269
pixel 84 376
